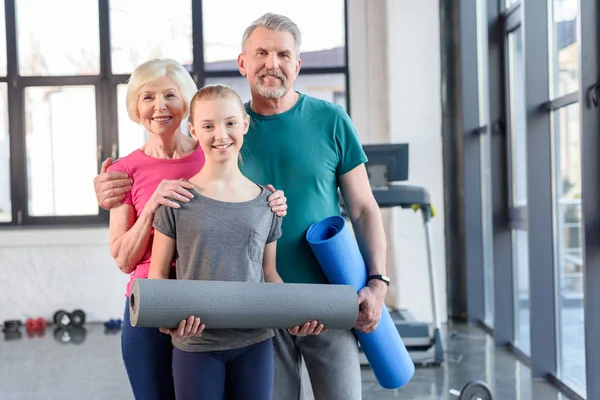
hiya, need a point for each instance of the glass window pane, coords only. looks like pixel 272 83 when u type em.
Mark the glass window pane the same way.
pixel 5 193
pixel 58 120
pixel 139 33
pixel 508 3
pixel 485 165
pixel 2 40
pixel 330 87
pixel 565 54
pixel 44 49
pixel 569 240
pixel 323 47
pixel 518 137
pixel 132 135
pixel 520 247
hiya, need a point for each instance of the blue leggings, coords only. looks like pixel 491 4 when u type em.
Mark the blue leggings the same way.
pixel 244 373
pixel 147 354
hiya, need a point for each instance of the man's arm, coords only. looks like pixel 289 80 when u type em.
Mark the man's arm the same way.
pixel 368 226
pixel 110 187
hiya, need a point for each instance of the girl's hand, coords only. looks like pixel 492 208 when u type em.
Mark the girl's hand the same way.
pixel 186 328
pixel 309 328
pixel 277 201
pixel 169 190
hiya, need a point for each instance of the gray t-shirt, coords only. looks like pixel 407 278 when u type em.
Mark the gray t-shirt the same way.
pixel 220 241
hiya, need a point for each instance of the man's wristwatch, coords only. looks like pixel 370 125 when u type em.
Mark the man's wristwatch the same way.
pixel 384 278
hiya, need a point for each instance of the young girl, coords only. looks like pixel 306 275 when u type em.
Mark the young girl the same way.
pixel 226 232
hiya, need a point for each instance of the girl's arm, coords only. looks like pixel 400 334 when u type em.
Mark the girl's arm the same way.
pixel 163 251
pixel 269 264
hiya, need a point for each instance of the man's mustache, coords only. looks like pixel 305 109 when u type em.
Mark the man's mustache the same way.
pixel 275 74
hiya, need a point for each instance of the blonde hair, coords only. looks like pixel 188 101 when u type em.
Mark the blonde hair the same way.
pixel 148 73
pixel 215 91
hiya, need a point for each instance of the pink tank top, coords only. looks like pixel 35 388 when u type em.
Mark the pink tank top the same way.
pixel 147 173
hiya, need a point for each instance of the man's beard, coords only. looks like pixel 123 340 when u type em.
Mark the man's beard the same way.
pixel 270 92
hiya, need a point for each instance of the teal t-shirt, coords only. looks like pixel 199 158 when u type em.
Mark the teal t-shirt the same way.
pixel 302 151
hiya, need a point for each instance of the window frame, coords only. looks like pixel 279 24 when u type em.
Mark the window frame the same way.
pixel 538 221
pixel 105 84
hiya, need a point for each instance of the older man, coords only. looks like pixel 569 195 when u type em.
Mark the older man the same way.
pixel 307 147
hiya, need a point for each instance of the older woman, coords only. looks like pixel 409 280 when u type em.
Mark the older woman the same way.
pixel 158 97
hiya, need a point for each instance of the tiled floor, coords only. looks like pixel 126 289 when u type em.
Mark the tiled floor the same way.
pixel 43 368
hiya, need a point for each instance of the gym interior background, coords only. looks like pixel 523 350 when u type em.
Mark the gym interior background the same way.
pixel 497 100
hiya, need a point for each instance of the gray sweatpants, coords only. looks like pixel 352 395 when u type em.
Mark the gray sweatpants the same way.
pixel 331 359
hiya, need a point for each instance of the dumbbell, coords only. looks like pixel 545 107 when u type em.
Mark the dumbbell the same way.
pixel 32 325
pixel 11 329
pixel 112 326
pixel 35 327
pixel 75 335
pixel 473 390
pixel 64 319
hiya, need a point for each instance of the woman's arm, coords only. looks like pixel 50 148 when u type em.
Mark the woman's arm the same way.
pixel 128 237
pixel 269 264
pixel 163 250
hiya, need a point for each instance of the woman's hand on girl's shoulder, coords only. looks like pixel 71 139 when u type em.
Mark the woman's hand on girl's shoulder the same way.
pixel 169 190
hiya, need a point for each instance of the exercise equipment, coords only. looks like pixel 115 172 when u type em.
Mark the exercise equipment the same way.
pixel 12 325
pixel 74 335
pixel 338 254
pixel 241 305
pixel 473 390
pixel 113 324
pixel 64 319
pixel 387 168
pixel 38 324
pixel 12 330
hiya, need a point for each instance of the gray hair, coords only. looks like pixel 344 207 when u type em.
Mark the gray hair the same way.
pixel 274 22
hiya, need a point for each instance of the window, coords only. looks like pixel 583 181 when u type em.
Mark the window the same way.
pixel 323 47
pixel 518 185
pixel 565 55
pixel 68 85
pixel 5 193
pixel 518 139
pixel 569 238
pixel 544 150
pixel 2 40
pixel 58 150
pixel 44 50
pixel 485 163
pixel 140 33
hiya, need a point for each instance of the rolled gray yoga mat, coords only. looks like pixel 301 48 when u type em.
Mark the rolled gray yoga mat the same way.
pixel 241 305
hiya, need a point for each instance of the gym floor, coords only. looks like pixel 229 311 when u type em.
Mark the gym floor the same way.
pixel 42 368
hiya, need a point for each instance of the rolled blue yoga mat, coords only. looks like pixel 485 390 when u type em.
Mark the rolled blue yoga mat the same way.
pixel 339 256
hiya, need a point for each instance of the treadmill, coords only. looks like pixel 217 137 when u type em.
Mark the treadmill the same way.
pixel 387 168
